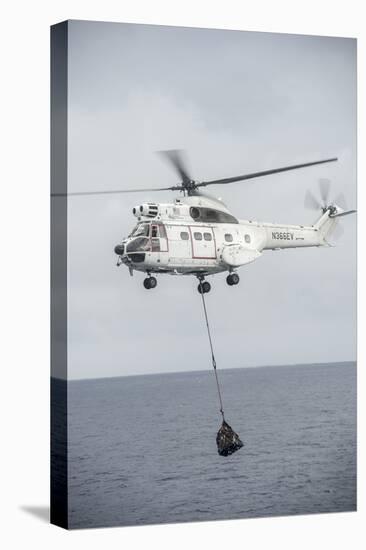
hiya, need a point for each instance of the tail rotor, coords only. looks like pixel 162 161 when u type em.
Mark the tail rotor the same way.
pixel 335 208
pixel 311 202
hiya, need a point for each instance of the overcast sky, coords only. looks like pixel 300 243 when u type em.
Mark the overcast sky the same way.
pixel 236 102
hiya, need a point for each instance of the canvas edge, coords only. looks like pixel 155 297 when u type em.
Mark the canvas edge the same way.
pixel 58 207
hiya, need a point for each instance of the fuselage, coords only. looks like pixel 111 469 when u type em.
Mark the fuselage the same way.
pixel 198 235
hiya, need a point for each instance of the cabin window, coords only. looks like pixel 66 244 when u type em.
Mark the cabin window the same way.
pixel 228 237
pixel 197 236
pixel 154 231
pixel 207 236
pixel 184 236
pixel 247 238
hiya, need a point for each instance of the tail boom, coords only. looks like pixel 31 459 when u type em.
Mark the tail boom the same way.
pixel 299 236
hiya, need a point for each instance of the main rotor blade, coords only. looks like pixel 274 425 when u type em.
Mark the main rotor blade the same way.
pixel 118 191
pixel 175 157
pixel 263 173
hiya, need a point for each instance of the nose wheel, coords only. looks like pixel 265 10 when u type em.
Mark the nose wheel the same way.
pixel 232 279
pixel 150 282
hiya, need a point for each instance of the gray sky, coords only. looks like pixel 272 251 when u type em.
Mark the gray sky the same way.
pixel 236 102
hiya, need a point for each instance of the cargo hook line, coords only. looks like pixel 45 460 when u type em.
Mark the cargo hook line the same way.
pixel 212 352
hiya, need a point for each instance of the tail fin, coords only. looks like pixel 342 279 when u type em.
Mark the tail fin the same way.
pixel 328 221
pixel 325 226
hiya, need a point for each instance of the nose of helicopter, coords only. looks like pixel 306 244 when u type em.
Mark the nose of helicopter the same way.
pixel 119 249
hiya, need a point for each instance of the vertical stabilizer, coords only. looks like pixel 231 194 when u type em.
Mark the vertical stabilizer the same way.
pixel 325 225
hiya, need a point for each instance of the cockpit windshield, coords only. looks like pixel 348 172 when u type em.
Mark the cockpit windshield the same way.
pixel 141 230
pixel 139 244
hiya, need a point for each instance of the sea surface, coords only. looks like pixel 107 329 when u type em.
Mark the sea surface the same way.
pixel 142 449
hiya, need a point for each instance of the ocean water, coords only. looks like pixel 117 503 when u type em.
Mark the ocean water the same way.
pixel 142 449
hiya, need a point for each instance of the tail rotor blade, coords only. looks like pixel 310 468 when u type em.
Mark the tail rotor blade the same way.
pixel 324 187
pixel 340 201
pixel 311 202
pixel 337 232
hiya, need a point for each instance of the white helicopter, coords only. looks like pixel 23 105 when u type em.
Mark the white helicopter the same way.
pixel 197 234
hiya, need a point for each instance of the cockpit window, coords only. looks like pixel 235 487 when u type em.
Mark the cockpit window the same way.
pixel 141 230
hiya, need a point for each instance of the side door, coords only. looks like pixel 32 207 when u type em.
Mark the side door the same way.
pixel 203 242
pixel 179 245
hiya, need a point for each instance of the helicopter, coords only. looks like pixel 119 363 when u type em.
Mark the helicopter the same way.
pixel 198 235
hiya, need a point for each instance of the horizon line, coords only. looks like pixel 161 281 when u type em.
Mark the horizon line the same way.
pixel 200 370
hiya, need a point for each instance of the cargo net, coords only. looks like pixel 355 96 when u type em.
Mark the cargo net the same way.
pixel 227 440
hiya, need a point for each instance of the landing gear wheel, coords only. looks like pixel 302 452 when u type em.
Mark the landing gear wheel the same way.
pixel 153 282
pixel 232 279
pixel 204 287
pixel 150 282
